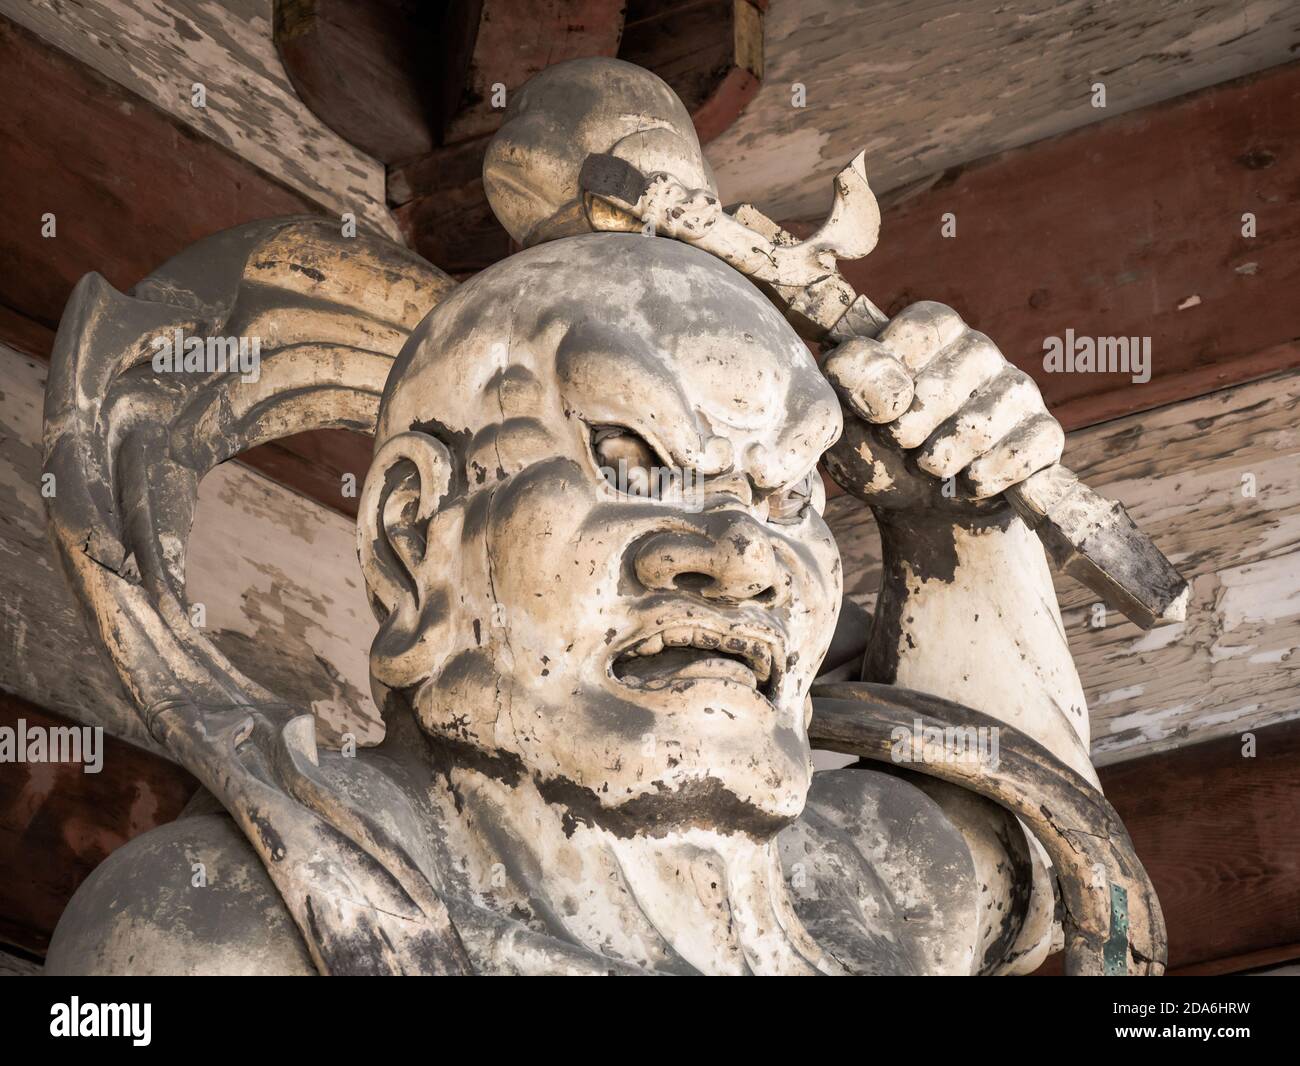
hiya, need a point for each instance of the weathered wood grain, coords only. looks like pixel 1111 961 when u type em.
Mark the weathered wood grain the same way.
pixel 514 41
pixel 160 48
pixel 128 185
pixel 368 71
pixel 488 50
pixel 710 53
pixel 440 204
pixel 1232 666
pixel 1130 228
pixel 277 576
pixel 315 465
pixel 925 85
pixel 16 966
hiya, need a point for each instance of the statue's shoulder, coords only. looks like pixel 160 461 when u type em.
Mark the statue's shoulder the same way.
pixel 151 908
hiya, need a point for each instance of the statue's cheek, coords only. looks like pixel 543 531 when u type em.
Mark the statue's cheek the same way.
pixel 541 560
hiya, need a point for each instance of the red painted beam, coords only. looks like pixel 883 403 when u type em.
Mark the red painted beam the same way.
pixel 128 187
pixel 57 823
pixel 1131 227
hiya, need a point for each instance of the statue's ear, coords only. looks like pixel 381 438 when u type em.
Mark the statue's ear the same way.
pixel 408 481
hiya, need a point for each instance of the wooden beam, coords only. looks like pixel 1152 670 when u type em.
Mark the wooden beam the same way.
pixel 1218 833
pixel 158 52
pixel 1251 960
pixel 1132 227
pixel 13 964
pixel 709 51
pixel 438 198
pixel 514 41
pixel 57 823
pixel 440 204
pixel 129 186
pixel 24 334
pixel 314 465
pixel 927 85
pixel 367 70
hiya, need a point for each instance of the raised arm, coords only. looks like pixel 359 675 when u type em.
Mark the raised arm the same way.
pixel 937 425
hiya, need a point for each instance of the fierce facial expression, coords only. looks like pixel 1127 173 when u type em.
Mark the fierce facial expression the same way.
pixel 593 530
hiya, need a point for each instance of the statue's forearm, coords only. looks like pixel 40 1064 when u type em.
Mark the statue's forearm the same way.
pixel 967 611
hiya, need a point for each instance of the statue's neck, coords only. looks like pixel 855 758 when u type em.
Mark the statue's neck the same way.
pixel 691 900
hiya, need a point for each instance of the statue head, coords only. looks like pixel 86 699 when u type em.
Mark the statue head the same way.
pixel 592 532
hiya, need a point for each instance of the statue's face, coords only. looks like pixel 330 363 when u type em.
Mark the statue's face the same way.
pixel 630 586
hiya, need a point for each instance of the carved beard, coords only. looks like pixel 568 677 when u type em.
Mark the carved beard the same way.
pixel 467 700
pixel 643 882
pixel 687 900
pixel 720 902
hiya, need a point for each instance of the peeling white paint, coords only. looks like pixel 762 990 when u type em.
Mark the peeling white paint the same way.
pixel 932 84
pixel 159 48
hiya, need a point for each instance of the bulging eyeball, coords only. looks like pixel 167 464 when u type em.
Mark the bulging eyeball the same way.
pixel 570 111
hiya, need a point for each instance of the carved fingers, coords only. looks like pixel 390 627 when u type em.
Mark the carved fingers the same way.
pixel 945 386
pixel 871 379
pixel 1034 444
pixel 943 396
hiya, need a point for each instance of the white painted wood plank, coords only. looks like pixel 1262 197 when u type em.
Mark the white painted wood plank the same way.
pixel 277 575
pixel 160 48
pixel 1233 665
pixel 924 85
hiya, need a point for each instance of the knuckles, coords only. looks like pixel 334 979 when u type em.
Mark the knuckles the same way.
pixel 933 388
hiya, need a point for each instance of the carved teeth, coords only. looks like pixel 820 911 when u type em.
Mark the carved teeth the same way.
pixel 702 638
pixel 652 646
pixel 678 636
pixel 757 653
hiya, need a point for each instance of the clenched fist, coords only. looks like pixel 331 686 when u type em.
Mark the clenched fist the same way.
pixel 929 400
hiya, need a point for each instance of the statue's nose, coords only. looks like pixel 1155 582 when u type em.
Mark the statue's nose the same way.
pixel 728 556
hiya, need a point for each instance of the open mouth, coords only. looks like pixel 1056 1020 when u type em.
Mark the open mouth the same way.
pixel 692 652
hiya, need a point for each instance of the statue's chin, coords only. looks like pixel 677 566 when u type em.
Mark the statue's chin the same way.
pixel 725 756
pixel 633 760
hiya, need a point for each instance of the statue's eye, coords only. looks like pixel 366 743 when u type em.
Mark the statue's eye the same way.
pixel 627 462
pixel 792 504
